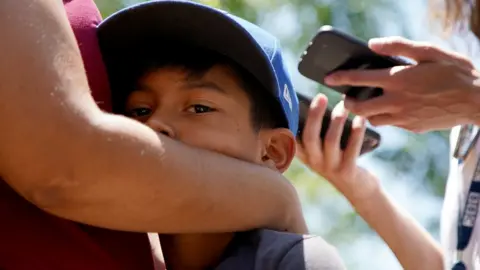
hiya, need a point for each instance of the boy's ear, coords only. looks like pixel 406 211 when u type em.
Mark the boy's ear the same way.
pixel 279 148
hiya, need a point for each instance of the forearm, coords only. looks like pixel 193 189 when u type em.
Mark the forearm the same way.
pixel 60 152
pixel 412 245
pixel 138 181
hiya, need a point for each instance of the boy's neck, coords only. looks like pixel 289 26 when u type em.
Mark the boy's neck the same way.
pixel 194 251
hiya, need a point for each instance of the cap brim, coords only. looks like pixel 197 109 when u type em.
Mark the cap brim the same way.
pixel 123 34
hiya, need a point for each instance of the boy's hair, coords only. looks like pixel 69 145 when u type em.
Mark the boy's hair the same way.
pixel 265 110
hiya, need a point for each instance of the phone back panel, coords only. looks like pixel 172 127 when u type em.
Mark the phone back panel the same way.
pixel 370 142
pixel 331 50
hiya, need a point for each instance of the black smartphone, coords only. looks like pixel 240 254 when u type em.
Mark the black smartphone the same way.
pixel 331 50
pixel 371 139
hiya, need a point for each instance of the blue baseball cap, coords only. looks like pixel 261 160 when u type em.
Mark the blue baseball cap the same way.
pixel 248 45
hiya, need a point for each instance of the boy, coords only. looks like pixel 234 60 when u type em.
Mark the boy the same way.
pixel 214 81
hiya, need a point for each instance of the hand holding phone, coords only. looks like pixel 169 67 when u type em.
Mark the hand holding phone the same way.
pixel 337 166
pixel 332 50
pixel 371 139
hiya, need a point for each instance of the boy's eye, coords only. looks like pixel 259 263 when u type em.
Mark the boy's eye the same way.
pixel 197 108
pixel 139 112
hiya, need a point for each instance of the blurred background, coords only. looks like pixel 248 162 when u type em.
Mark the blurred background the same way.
pixel 413 168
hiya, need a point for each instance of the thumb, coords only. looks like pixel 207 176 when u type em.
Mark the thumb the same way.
pixel 399 46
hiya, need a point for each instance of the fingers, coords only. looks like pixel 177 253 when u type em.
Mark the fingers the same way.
pixel 311 133
pixel 355 142
pixel 333 136
pixel 418 51
pixel 388 119
pixel 399 46
pixel 371 77
pixel 326 156
pixel 387 78
pixel 375 106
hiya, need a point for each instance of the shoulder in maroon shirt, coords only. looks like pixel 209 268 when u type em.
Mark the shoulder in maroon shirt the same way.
pixel 33 239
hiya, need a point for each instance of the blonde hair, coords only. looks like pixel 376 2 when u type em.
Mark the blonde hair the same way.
pixel 457 15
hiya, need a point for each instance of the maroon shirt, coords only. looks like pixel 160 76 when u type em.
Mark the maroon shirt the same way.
pixel 33 239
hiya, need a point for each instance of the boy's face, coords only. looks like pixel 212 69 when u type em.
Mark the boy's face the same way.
pixel 211 112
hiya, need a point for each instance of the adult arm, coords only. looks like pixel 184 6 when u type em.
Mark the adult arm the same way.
pixel 60 152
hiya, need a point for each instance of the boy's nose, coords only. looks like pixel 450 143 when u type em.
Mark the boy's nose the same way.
pixel 161 127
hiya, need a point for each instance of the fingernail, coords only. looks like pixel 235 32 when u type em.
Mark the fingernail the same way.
pixel 358 122
pixel 340 110
pixel 375 40
pixel 376 44
pixel 331 79
pixel 318 99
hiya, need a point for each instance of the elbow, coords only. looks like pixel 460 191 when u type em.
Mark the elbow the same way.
pixel 434 259
pixel 431 258
pixel 56 184
pixel 64 176
pixel 50 182
pixel 439 259
pixel 47 169
pixel 55 195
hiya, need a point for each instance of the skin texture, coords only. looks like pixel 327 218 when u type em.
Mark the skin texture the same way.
pixel 438 92
pixel 411 244
pixel 137 179
pixel 212 112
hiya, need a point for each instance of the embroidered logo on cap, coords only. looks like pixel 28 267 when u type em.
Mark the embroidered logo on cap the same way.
pixel 286 95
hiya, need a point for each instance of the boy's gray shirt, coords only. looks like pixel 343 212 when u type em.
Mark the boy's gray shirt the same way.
pixel 271 250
